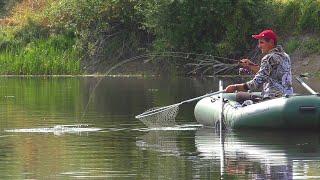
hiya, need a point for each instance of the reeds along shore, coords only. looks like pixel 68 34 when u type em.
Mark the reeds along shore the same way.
pixel 51 56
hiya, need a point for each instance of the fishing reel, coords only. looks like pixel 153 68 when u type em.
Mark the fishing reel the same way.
pixel 245 71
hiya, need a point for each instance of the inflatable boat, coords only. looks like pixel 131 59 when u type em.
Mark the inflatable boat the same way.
pixel 290 112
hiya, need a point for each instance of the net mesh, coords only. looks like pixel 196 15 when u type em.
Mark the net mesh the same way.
pixel 163 118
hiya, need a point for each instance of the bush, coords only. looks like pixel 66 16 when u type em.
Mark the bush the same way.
pixel 221 28
pixel 292 45
pixel 107 31
pixel 30 32
pixel 310 46
pixel 310 17
pixel 5 6
pixel 289 15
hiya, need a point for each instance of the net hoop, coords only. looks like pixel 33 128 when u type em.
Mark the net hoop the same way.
pixel 156 111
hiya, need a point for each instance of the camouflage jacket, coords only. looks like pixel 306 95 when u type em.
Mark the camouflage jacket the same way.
pixel 274 75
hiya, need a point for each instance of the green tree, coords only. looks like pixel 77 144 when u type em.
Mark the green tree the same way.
pixel 107 30
pixel 219 27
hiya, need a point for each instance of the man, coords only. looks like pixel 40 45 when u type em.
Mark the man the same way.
pixel 274 73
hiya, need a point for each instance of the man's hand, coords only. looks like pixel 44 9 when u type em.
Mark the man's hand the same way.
pixel 236 87
pixel 246 63
pixel 231 88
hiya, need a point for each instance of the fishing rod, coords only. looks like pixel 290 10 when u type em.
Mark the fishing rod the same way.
pixel 182 55
pixel 306 86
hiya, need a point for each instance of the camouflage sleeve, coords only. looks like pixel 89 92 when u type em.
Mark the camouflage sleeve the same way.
pixel 262 76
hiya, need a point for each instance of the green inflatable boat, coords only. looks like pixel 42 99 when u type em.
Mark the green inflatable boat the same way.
pixel 291 112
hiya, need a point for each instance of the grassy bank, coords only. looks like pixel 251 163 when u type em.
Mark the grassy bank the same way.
pixel 30 46
pixel 51 55
pixel 306 45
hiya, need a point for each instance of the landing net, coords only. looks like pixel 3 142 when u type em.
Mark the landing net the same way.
pixel 159 117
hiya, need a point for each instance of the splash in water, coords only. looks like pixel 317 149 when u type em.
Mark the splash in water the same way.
pixel 58 129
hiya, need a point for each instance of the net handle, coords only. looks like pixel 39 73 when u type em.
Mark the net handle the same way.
pixel 161 109
pixel 203 96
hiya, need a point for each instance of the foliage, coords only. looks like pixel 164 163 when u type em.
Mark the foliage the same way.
pixel 292 45
pixel 288 16
pixel 53 55
pixel 305 47
pixel 31 47
pixel 296 17
pixel 214 27
pixel 105 32
pixel 30 32
pixel 6 5
pixel 310 46
pixel 310 17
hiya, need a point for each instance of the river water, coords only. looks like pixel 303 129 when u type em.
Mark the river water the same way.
pixel 65 128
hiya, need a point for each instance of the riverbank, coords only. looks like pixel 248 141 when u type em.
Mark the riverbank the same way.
pixel 307 65
pixel 46 37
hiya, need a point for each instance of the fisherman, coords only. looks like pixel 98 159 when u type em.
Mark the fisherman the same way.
pixel 273 74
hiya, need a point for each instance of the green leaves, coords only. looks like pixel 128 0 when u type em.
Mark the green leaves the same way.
pixel 310 16
pixel 107 31
pixel 193 25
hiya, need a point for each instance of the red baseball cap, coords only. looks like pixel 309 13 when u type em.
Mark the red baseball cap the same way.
pixel 266 34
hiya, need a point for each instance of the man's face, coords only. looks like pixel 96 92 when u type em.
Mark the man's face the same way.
pixel 265 46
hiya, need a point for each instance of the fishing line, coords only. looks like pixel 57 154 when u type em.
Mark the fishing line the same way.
pixel 182 55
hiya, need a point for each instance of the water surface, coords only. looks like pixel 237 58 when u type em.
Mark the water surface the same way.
pixel 50 129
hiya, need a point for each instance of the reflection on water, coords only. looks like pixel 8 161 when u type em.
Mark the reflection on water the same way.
pixel 262 154
pixel 246 155
pixel 110 143
pixel 161 141
pixel 164 139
